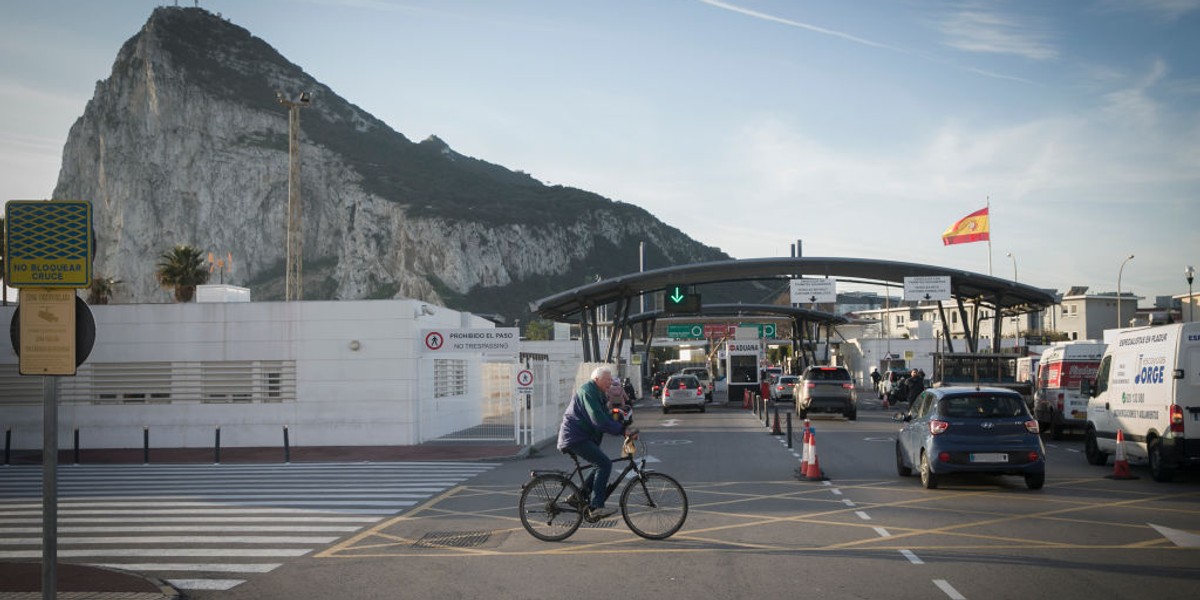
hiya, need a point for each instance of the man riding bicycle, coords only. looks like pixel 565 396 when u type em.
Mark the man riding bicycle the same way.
pixel 584 424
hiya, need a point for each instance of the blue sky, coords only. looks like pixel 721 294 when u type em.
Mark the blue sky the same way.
pixel 863 128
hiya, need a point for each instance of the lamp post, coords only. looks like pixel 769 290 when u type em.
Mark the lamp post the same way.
pixel 1190 273
pixel 1014 259
pixel 293 287
pixel 1119 272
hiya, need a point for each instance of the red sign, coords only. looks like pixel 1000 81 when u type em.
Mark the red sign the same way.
pixel 712 330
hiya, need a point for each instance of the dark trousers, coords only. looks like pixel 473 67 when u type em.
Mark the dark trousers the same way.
pixel 598 479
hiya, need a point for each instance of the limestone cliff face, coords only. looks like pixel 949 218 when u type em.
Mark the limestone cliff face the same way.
pixel 185 143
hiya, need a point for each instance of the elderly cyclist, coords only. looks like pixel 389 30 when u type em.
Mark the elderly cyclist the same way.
pixel 584 424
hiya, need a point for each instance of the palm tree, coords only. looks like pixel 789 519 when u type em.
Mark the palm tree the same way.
pixel 182 269
pixel 101 290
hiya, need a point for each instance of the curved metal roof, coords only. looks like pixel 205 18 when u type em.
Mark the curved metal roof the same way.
pixel 1003 294
pixel 733 310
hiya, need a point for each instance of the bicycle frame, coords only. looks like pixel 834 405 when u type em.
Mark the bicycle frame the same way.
pixel 577 474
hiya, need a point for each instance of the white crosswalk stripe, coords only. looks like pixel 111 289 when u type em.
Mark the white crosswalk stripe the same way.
pixel 172 521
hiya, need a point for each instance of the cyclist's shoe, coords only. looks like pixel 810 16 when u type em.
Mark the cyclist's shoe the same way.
pixel 576 502
pixel 596 514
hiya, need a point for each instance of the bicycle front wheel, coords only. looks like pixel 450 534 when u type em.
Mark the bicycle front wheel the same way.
pixel 654 506
pixel 551 507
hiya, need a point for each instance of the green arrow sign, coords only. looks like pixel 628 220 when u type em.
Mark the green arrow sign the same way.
pixel 685 331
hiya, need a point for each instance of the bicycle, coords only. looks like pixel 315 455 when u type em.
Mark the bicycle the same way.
pixel 552 505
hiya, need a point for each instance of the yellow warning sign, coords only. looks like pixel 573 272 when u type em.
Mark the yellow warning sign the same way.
pixel 47 332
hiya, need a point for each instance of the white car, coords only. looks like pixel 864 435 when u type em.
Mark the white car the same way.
pixel 783 388
pixel 682 391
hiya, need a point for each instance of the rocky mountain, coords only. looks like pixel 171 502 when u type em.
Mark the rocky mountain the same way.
pixel 186 143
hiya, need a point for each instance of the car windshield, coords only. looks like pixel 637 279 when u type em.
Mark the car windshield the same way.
pixel 827 374
pixel 683 383
pixel 982 407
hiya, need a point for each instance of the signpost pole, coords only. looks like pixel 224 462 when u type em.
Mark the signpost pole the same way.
pixel 49 487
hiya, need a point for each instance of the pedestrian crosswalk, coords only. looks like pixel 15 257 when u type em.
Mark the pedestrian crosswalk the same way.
pixel 208 526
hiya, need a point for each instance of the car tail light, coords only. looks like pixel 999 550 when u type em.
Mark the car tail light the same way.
pixel 666 393
pixel 936 427
pixel 1032 426
pixel 1176 419
pixel 848 386
pixel 810 385
pixel 1033 456
pixel 944 456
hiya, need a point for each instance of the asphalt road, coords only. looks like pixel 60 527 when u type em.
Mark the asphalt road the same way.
pixel 755 531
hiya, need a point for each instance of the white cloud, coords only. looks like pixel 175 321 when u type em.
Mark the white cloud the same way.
pixel 975 29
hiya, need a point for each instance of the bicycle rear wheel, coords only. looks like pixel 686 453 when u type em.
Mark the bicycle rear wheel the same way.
pixel 551 507
pixel 654 506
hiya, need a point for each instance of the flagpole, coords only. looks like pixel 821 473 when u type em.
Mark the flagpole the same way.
pixel 988 207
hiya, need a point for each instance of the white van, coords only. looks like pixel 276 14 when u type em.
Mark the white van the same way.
pixel 1057 403
pixel 1148 386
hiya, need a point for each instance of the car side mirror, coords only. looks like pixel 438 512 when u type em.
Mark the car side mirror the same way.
pixel 902 417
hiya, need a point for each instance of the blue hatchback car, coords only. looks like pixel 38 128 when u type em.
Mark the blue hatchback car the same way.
pixel 970 430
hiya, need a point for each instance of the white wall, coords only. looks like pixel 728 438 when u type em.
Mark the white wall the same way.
pixel 344 396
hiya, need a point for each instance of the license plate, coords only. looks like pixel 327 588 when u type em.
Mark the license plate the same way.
pixel 989 457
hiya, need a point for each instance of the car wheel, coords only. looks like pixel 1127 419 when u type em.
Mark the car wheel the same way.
pixel 1035 481
pixel 1091 449
pixel 852 415
pixel 1056 431
pixel 702 408
pixel 1160 470
pixel 928 478
pixel 666 410
pixel 901 469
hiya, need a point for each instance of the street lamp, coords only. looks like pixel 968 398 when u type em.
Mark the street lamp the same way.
pixel 1122 270
pixel 1190 272
pixel 293 288
pixel 1014 259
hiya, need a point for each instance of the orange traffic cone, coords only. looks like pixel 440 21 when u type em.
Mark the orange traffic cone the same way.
pixel 805 453
pixel 814 464
pixel 1120 462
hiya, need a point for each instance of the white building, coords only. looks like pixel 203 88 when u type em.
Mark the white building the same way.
pixel 333 373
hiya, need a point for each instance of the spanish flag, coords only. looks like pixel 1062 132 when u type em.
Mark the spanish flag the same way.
pixel 971 228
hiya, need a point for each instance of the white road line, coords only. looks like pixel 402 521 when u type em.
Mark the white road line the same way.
pixel 884 533
pixel 188 529
pixel 949 589
pixel 176 539
pixel 159 552
pixel 848 502
pixel 827 483
pixel 836 492
pixel 68 505
pixel 912 558
pixel 206 567
pixel 205 584
pixel 862 515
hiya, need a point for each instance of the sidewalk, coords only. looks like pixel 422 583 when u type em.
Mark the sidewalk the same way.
pixel 23 580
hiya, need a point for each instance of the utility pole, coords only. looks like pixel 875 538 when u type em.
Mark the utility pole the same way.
pixel 293 285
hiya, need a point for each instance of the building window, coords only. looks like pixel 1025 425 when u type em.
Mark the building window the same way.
pixel 449 377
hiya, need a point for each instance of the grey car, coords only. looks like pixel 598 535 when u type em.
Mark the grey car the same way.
pixel 823 389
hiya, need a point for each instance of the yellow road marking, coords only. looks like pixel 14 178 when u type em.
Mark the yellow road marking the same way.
pixel 355 548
